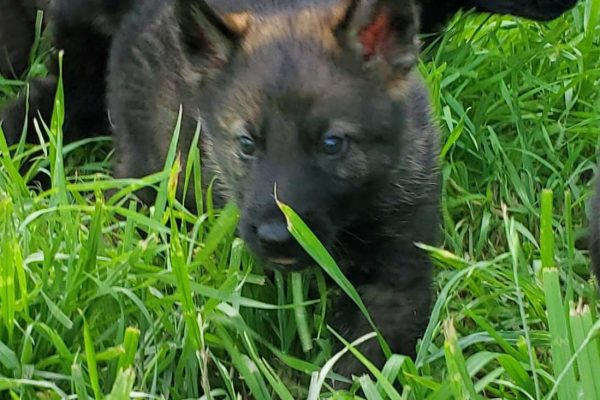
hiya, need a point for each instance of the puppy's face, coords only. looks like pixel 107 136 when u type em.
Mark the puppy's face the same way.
pixel 295 114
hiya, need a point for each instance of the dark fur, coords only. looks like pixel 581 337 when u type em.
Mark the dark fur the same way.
pixel 541 10
pixel 436 12
pixel 369 206
pixel 83 29
pixel 17 28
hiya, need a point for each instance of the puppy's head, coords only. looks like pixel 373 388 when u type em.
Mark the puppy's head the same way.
pixel 304 102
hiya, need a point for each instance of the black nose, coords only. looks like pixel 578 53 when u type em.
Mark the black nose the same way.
pixel 273 233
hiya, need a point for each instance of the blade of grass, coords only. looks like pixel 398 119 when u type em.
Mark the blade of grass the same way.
pixel 8 259
pixel 588 361
pixel 244 365
pixel 568 369
pixel 130 344
pixel 385 385
pixel 513 243
pixel 161 198
pixel 557 319
pixel 90 355
pixel 57 167
pixel 78 381
pixel 369 388
pixel 318 378
pixel 276 383
pixel 123 386
pixel 300 312
pixel 546 234
pixel 559 334
pixel 461 382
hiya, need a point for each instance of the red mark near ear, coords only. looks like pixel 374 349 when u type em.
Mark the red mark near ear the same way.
pixel 376 35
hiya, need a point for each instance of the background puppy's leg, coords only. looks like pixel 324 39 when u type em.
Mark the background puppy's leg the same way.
pixel 435 13
pixel 102 16
pixel 41 102
pixel 541 10
pixel 16 38
pixel 401 312
pixel 83 30
pixel 84 76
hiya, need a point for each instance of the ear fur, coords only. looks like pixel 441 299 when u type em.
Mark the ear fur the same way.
pixel 205 32
pixel 383 33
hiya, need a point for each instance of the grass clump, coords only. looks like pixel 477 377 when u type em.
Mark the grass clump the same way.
pixel 99 298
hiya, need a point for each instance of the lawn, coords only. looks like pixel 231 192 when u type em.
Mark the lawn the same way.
pixel 100 297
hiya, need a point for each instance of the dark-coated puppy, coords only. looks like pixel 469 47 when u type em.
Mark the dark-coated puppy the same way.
pixel 436 13
pixel 316 98
pixel 541 10
pixel 83 29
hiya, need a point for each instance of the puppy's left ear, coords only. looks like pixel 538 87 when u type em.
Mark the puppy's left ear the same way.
pixel 383 34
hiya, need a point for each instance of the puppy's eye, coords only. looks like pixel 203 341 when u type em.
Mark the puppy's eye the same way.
pixel 333 145
pixel 247 145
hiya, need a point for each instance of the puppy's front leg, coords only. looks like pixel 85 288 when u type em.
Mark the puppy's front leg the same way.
pixel 41 102
pixel 400 309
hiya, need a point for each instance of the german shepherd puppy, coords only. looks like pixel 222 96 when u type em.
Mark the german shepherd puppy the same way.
pixel 315 102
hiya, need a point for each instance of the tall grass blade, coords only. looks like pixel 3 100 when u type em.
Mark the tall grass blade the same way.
pixel 8 260
pixel 546 233
pixel 300 312
pixel 59 181
pixel 462 385
pixel 588 362
pixel 90 356
pixel 123 385
pixel 560 344
pixel 130 344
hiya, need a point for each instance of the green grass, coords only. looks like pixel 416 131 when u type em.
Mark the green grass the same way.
pixel 102 298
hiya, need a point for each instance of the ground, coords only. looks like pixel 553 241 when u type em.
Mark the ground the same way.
pixel 96 295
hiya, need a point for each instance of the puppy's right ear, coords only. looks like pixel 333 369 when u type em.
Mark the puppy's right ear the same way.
pixel 383 35
pixel 207 33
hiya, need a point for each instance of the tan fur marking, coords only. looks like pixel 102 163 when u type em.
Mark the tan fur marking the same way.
pixel 238 22
pixel 398 88
pixel 245 106
pixel 314 23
